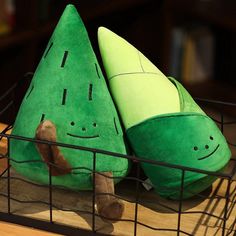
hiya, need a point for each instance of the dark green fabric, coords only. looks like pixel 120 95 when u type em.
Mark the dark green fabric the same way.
pixel 187 139
pixel 68 88
pixel 180 138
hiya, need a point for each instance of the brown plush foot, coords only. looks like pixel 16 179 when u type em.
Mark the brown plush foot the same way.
pixel 108 206
pixel 50 153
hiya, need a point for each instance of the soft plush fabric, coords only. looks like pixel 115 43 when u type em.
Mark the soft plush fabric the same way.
pixel 188 139
pixel 162 121
pixel 68 88
pixel 126 69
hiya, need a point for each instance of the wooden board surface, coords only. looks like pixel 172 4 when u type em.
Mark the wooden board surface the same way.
pixel 8 229
pixel 3 141
pixel 153 211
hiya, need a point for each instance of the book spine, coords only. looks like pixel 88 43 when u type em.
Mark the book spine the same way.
pixel 192 54
pixel 7 16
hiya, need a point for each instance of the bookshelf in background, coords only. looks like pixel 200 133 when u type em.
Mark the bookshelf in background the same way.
pixel 7 16
pixel 199 46
pixel 22 46
pixel 150 25
pixel 192 54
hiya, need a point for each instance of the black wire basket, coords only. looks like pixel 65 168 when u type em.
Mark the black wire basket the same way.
pixel 54 209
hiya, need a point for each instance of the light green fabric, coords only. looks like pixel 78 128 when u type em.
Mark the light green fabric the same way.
pixel 68 88
pixel 187 104
pixel 162 121
pixel 136 84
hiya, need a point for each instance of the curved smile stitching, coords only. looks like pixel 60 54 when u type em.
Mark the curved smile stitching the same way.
pixel 210 153
pixel 78 136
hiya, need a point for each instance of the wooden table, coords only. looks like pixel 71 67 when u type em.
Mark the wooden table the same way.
pixel 16 230
pixel 8 229
pixel 150 211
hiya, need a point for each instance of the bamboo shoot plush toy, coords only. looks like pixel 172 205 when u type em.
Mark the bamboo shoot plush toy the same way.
pixel 68 101
pixel 161 119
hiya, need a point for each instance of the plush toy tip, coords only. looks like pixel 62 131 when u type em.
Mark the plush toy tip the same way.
pixel 70 6
pixel 70 9
pixel 103 33
pixel 102 29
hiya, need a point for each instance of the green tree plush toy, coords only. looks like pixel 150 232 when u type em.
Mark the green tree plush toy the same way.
pixel 161 119
pixel 68 101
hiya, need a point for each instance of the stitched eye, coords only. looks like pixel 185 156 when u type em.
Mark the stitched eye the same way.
pixel 84 129
pixel 195 148
pixel 72 123
pixel 211 138
pixel 206 146
pixel 94 125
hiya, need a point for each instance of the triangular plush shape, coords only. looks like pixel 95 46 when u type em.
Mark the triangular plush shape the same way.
pixel 134 94
pixel 68 89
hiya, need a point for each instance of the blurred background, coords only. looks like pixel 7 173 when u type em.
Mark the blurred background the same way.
pixel 194 41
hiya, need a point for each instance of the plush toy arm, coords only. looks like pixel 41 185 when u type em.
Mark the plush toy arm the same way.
pixel 50 153
pixel 108 205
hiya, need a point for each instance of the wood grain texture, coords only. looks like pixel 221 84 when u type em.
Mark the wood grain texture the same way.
pixel 8 229
pixel 153 211
pixel 197 216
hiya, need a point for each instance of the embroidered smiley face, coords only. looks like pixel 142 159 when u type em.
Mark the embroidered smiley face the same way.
pixel 88 133
pixel 211 147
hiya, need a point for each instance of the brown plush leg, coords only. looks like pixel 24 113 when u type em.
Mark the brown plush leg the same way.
pixel 107 206
pixel 50 153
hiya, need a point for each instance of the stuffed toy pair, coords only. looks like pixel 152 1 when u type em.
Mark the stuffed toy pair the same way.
pixel 68 102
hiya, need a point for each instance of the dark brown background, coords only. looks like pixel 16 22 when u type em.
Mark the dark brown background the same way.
pixel 146 24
